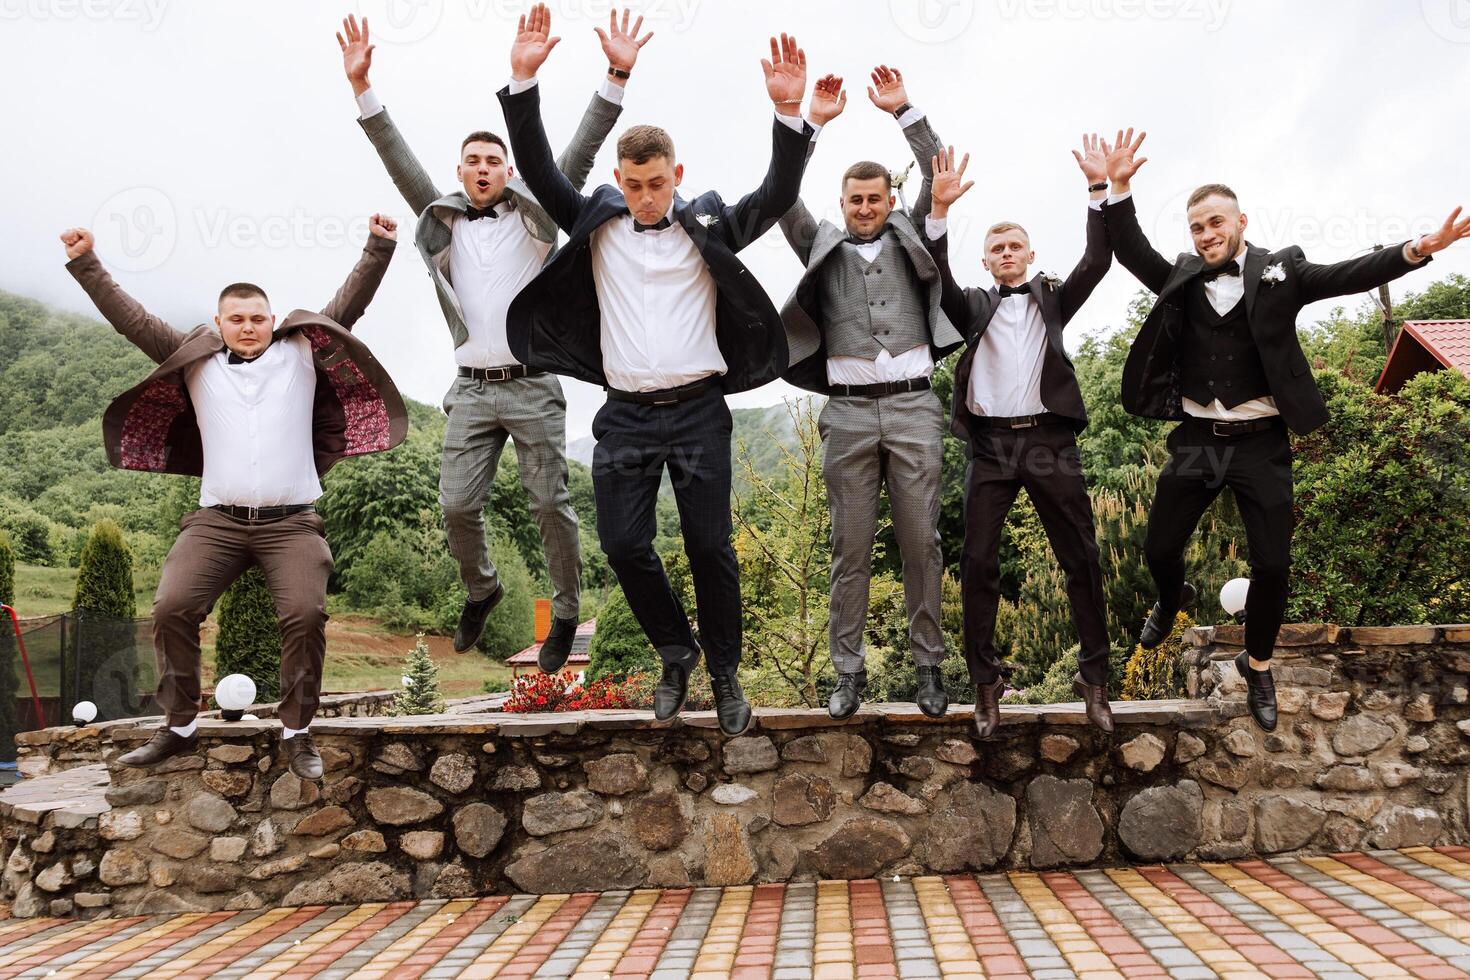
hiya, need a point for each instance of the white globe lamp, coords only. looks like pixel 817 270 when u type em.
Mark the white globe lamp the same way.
pixel 234 693
pixel 83 713
pixel 1232 597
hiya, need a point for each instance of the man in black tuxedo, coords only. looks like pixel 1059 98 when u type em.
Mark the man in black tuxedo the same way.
pixel 1220 354
pixel 648 300
pixel 1019 409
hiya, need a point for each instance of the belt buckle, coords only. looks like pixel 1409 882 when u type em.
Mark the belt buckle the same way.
pixel 1215 428
pixel 497 374
pixel 665 401
pixel 252 513
pixel 1030 423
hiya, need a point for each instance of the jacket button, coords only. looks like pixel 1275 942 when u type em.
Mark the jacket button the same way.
pixel 871 303
pixel 1229 357
pixel 1212 357
pixel 883 302
pixel 1210 383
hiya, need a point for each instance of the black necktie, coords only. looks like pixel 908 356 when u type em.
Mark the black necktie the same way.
pixel 1228 269
pixel 1022 290
pixel 473 212
pixel 658 225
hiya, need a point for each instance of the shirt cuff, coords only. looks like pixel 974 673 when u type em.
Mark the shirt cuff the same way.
pixel 935 227
pixel 909 118
pixel 1115 198
pixel 613 93
pixel 1096 203
pixel 816 130
pixel 795 122
pixel 521 86
pixel 368 104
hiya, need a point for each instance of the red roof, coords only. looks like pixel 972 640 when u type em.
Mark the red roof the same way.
pixel 580 642
pixel 1426 345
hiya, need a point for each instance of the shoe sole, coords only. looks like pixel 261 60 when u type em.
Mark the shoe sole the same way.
pixel 748 722
pixel 553 668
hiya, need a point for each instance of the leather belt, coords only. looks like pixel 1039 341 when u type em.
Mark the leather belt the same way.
pixel 262 513
pixel 1227 430
pixel 881 389
pixel 497 373
pixel 1022 421
pixel 668 396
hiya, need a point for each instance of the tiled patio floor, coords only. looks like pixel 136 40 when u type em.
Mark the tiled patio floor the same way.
pixel 1380 914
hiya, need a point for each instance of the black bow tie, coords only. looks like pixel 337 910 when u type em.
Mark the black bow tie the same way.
pixel 859 240
pixel 472 213
pixel 1022 290
pixel 658 225
pixel 1231 268
pixel 237 359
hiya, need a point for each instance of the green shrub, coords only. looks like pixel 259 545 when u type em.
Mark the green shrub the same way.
pixel 249 640
pixel 619 646
pixel 1158 674
pixel 106 666
pixel 9 661
pixel 420 696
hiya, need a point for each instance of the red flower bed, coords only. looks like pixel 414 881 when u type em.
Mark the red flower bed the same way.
pixel 554 692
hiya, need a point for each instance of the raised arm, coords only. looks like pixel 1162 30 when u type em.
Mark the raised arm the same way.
pixel 753 214
pixel 1097 258
pixel 797 225
pixel 888 93
pixel 352 299
pixel 147 332
pixel 964 307
pixel 1373 270
pixel 408 175
pixel 1128 240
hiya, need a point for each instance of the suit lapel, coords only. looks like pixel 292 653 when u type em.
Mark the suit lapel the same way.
pixel 1185 269
pixel 1255 265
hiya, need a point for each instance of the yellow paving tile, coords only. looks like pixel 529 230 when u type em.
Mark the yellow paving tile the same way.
pixel 1066 933
pixel 1393 896
pixel 1216 953
pixel 509 942
pixel 220 943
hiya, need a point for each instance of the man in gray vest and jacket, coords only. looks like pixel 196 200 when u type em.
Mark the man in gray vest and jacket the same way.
pixel 482 244
pixel 865 327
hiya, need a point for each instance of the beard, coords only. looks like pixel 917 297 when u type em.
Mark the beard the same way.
pixel 1232 249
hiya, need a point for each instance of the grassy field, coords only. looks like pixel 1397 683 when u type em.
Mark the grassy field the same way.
pixel 362 655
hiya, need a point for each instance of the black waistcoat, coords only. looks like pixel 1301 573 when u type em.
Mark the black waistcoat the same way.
pixel 1218 357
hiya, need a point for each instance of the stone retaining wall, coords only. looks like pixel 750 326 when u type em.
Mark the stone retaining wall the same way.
pixel 1371 752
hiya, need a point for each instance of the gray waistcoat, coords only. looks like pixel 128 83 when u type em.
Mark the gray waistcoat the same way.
pixel 870 307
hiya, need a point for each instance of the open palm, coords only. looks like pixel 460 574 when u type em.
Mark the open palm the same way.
pixel 785 71
pixel 533 43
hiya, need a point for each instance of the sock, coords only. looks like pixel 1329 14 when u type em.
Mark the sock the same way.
pixel 1252 666
pixel 184 731
pixel 289 732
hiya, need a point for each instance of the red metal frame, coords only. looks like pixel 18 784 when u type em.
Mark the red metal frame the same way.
pixel 35 698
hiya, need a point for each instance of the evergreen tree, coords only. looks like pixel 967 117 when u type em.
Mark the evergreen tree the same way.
pixel 1158 674
pixel 105 575
pixel 619 646
pixel 9 659
pixel 249 640
pixel 420 696
pixel 106 665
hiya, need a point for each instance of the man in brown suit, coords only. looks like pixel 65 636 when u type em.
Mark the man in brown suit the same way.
pixel 259 413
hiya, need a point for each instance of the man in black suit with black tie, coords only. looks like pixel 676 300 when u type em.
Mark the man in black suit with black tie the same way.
pixel 1019 409
pixel 648 300
pixel 1219 353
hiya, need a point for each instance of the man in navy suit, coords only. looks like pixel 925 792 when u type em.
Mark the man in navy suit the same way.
pixel 648 300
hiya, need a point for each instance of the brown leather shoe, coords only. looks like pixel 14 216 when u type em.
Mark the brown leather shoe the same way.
pixel 302 757
pixel 987 706
pixel 163 745
pixel 1095 700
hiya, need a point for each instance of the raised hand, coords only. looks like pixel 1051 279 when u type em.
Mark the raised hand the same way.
pixel 1120 159
pixel 78 242
pixel 620 44
pixel 949 183
pixel 384 226
pixel 533 43
pixel 1093 159
pixel 357 53
pixel 829 98
pixel 785 75
pixel 1453 230
pixel 887 91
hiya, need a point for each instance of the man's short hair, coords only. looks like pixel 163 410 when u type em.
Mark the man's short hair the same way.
pixel 1212 190
pixel 642 143
pixel 867 170
pixel 483 136
pixel 244 290
pixel 1001 226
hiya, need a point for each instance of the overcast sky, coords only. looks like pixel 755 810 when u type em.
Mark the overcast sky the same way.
pixel 212 142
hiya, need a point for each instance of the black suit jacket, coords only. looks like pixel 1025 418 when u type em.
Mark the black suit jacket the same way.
pixel 1151 373
pixel 555 324
pixel 971 310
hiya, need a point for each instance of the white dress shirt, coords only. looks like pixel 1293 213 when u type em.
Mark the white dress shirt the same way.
pixel 490 261
pixel 255 425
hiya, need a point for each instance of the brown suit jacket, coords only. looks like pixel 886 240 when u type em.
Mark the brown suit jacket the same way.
pixel 152 426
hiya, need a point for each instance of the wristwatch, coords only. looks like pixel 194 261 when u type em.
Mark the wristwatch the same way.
pixel 1101 185
pixel 616 72
pixel 898 113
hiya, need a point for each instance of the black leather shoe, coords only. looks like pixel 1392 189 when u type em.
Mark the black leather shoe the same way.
pixel 1260 692
pixel 1095 701
pixel 1156 627
pixel 987 706
pixel 730 705
pixel 848 694
pixel 302 757
pixel 931 697
pixel 163 745
pixel 557 646
pixel 670 692
pixel 472 619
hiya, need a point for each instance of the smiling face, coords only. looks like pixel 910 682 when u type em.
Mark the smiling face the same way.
pixel 866 204
pixel 245 320
pixel 1216 224
pixel 1008 253
pixel 483 169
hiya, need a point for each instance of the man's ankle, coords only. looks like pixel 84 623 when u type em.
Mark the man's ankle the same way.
pixel 185 729
pixel 1258 664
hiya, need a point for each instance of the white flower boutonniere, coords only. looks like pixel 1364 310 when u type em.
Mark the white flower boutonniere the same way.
pixel 707 219
pixel 1274 274
pixel 1052 280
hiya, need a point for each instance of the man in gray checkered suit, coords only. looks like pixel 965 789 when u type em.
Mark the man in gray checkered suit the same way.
pixel 865 327
pixel 482 244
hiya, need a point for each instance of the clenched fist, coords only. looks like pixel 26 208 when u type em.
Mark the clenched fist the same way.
pixel 78 242
pixel 383 226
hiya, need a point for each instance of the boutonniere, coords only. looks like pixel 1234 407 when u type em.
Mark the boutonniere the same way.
pixel 707 219
pixel 1274 274
pixel 900 177
pixel 1052 280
